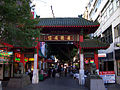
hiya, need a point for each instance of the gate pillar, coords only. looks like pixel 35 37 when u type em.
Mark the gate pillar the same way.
pixel 81 71
pixel 35 78
pixel 96 60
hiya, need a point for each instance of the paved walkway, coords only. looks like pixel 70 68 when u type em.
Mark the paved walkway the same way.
pixel 64 83
pixel 113 87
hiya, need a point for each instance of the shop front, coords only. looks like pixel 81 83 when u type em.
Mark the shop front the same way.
pixel 6 64
pixel 20 62
pixel 117 57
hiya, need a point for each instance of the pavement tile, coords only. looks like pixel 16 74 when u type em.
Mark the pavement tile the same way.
pixel 64 83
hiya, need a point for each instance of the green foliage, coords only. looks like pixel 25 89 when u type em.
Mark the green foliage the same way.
pixel 16 23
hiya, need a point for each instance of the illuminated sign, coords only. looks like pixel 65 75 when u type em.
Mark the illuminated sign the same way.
pixel 17 57
pixel 26 59
pixel 31 59
pixel 92 61
pixel 5 57
pixel 59 38
pixel 102 55
pixel 86 61
pixel 6 53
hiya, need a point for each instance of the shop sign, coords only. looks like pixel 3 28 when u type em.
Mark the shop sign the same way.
pixel 92 61
pixel 26 59
pixel 17 57
pixel 4 60
pixel 107 76
pixel 31 59
pixel 20 58
pixel 86 61
pixel 6 53
pixel 102 55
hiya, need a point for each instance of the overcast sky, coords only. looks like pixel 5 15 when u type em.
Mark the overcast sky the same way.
pixel 61 8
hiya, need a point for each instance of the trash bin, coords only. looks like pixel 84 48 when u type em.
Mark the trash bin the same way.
pixel 41 77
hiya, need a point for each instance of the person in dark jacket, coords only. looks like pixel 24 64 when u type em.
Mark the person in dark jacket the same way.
pixel 65 72
pixel 53 73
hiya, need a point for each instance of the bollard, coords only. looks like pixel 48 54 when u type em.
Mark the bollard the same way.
pixel 0 86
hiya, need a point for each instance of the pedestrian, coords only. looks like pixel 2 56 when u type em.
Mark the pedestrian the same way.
pixel 53 73
pixel 49 72
pixel 65 72
pixel 30 74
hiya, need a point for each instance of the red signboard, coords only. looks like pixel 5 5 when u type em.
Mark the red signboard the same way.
pixel 106 72
pixel 59 38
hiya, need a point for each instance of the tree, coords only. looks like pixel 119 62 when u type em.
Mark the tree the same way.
pixel 16 24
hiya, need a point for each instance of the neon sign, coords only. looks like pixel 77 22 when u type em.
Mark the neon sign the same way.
pixel 26 59
pixel 6 53
pixel 17 57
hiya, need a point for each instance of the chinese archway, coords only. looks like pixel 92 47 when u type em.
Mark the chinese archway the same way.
pixel 73 30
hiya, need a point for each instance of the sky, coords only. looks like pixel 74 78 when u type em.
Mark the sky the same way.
pixel 61 8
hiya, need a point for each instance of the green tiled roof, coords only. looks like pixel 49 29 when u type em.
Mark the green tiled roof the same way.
pixel 66 22
pixel 93 44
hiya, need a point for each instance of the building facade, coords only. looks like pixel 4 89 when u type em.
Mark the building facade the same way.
pixel 107 13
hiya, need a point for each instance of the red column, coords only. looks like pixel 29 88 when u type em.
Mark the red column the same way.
pixel 96 58
pixel 81 38
pixel 80 49
pixel 37 49
pixel 38 45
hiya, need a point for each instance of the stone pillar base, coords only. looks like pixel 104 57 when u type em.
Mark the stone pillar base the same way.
pixel 35 78
pixel 81 77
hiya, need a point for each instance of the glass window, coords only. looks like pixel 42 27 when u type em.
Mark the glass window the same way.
pixel 99 19
pixel 117 2
pixel 117 30
pixel 118 67
pixel 91 0
pixel 108 35
pixel 111 8
pixel 105 16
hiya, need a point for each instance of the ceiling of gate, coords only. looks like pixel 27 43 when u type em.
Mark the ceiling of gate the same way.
pixel 64 51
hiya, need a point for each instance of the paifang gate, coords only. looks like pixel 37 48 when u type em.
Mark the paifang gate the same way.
pixel 73 30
